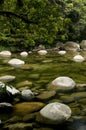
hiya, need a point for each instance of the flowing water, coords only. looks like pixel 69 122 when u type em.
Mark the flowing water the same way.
pixel 41 70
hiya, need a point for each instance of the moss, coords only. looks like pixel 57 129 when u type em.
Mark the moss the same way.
pixel 60 66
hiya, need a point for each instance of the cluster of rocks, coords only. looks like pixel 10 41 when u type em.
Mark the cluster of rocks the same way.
pixel 16 63
pixel 63 48
pixel 60 48
pixel 6 53
pixel 29 109
pixel 28 106
pixel 71 46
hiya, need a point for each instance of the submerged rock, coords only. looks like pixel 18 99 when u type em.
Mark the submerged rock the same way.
pixel 46 95
pixel 78 95
pixel 27 67
pixel 7 78
pixel 14 119
pixel 24 83
pixel 27 107
pixel 18 126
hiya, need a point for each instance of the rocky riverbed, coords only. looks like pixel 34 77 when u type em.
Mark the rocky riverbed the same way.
pixel 30 100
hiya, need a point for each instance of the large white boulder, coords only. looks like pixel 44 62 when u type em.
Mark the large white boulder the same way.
pixel 16 63
pixel 78 58
pixel 24 54
pixel 42 52
pixel 64 82
pixel 55 113
pixel 5 53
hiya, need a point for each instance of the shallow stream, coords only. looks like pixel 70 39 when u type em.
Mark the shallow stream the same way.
pixel 41 70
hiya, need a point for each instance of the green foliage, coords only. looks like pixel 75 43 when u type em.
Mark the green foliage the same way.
pixel 29 23
pixel 77 15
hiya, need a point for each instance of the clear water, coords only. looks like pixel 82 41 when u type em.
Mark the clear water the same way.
pixel 45 69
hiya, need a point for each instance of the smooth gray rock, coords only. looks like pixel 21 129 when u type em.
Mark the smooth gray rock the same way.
pixel 16 63
pixel 5 53
pixel 64 82
pixel 27 95
pixel 78 58
pixel 55 113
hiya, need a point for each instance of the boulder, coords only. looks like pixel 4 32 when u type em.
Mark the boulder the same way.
pixel 63 82
pixel 24 54
pixel 78 58
pixel 71 46
pixel 27 95
pixel 16 63
pixel 54 113
pixel 42 52
pixel 5 53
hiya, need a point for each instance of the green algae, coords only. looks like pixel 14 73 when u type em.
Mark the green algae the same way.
pixel 54 66
pixel 45 69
